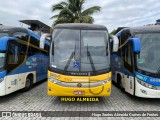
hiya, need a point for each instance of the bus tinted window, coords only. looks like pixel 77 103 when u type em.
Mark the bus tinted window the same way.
pixel 13 53
pixel 16 55
pixel 46 47
pixel 33 51
pixel 34 41
pixel 21 36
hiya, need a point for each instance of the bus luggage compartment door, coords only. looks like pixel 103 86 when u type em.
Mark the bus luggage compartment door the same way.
pixel 11 83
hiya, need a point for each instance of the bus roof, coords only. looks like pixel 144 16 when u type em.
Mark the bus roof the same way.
pixel 142 29
pixel 119 29
pixel 83 26
pixel 11 29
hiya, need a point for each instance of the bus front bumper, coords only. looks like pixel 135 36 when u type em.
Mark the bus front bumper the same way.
pixel 58 90
pixel 145 92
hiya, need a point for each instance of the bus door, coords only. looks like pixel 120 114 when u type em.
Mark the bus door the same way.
pixel 22 44
pixel 128 82
pixel 38 61
pixel 12 63
pixel 21 58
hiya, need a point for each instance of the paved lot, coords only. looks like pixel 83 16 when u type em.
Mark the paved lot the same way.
pixel 38 100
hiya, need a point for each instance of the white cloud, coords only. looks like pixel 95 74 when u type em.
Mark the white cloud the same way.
pixel 115 13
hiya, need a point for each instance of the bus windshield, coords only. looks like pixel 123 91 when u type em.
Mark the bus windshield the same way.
pixel 2 59
pixel 148 59
pixel 2 34
pixel 80 50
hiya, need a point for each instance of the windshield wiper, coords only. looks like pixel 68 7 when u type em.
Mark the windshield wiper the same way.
pixel 107 49
pixel 69 60
pixel 91 60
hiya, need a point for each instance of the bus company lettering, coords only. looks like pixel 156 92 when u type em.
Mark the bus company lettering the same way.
pixel 141 77
pixel 40 61
pixel 56 76
pixel 79 74
pixel 34 59
pixel 53 75
pixel 79 99
pixel 154 80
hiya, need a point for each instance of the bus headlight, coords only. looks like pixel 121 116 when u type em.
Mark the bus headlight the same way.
pixel 1 79
pixel 53 80
pixel 147 84
pixel 105 81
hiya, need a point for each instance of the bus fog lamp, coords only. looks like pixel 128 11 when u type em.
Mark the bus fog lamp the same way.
pixel 49 89
pixel 143 91
pixel 108 90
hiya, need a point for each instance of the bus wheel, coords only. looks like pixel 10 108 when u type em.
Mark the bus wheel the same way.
pixel 29 83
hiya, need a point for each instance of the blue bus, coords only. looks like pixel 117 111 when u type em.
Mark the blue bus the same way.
pixel 22 61
pixel 136 68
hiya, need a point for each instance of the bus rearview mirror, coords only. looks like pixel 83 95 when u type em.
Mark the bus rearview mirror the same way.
pixel 42 40
pixel 115 43
pixel 136 44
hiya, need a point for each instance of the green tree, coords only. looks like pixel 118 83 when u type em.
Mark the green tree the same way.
pixel 113 32
pixel 72 11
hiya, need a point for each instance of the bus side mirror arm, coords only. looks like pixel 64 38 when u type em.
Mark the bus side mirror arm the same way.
pixel 115 43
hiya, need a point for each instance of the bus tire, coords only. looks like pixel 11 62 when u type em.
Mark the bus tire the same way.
pixel 29 83
pixel 119 81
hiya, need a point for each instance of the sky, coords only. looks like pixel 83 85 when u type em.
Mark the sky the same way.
pixel 114 13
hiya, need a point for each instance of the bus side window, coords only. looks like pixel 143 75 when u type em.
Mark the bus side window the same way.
pixel 13 53
pixel 121 50
pixel 33 51
pixel 128 58
pixel 30 51
pixel 34 41
pixel 23 49
pixel 22 53
pixel 21 36
pixel 46 47
pixel 13 56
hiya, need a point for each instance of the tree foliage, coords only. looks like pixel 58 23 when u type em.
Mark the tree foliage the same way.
pixel 72 11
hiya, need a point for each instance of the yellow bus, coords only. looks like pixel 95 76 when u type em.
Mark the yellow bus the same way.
pixel 79 62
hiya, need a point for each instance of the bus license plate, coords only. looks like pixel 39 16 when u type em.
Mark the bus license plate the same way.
pixel 79 92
